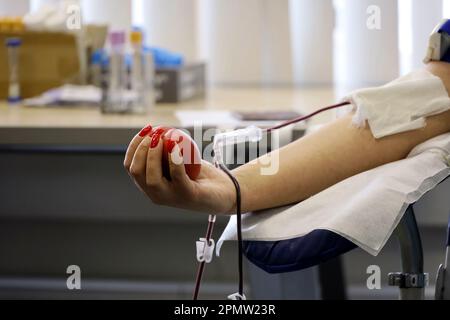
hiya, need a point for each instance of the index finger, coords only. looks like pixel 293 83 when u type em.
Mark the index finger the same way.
pixel 135 142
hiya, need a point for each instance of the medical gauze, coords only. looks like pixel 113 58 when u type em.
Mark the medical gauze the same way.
pixel 401 105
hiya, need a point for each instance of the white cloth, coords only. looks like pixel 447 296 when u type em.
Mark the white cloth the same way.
pixel 364 209
pixel 401 105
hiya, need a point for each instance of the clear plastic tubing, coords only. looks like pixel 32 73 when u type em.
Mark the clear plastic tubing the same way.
pixel 13 47
pixel 221 140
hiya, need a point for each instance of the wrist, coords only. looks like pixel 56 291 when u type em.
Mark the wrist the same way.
pixel 233 209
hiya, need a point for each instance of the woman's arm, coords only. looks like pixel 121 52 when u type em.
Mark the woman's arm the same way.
pixel 311 164
pixel 326 157
pixel 332 154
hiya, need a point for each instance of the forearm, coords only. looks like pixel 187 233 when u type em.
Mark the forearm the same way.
pixel 305 167
pixel 326 157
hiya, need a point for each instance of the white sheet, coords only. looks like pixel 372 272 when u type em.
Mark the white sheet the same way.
pixel 401 105
pixel 365 208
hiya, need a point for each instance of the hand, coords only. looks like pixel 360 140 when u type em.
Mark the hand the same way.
pixel 211 192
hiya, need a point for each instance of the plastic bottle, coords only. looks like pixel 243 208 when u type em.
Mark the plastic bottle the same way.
pixel 13 47
pixel 95 71
pixel 104 79
pixel 143 72
pixel 137 73
pixel 115 101
pixel 149 79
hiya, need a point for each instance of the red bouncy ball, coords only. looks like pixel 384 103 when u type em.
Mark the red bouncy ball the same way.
pixel 188 148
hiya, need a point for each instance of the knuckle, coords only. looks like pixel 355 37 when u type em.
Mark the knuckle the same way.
pixel 179 176
pixel 176 169
pixel 173 171
pixel 142 146
pixel 151 157
pixel 152 184
pixel 134 171
pixel 178 180
pixel 126 165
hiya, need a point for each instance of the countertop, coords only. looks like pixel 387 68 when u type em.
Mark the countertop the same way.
pixel 87 125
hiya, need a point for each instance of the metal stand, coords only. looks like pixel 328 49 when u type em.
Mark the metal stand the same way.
pixel 443 275
pixel 332 280
pixel 412 281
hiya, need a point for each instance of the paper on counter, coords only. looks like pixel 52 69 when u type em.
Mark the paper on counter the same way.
pixel 189 118
pixel 67 94
pixel 216 118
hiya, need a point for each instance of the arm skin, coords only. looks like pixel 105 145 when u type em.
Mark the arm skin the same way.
pixel 322 159
pixel 332 154
pixel 309 165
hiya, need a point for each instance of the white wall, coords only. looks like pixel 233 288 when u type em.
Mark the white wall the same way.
pixel 233 41
pixel 277 68
pixel 447 9
pixel 14 7
pixel 36 4
pixel 117 13
pixel 276 42
pixel 364 56
pixel 170 24
pixel 425 16
pixel 247 42
pixel 312 24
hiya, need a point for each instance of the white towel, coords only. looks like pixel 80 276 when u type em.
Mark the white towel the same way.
pixel 401 105
pixel 364 209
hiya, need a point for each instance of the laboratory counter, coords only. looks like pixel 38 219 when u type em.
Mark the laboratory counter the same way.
pixel 87 125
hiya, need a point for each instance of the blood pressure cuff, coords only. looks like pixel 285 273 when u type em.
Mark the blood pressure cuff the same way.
pixel 298 253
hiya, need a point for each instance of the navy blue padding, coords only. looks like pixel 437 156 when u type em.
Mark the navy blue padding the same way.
pixel 445 27
pixel 446 57
pixel 298 253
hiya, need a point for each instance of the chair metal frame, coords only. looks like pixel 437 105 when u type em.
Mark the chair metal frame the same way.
pixel 412 280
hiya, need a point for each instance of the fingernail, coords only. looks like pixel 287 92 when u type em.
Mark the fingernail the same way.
pixel 145 131
pixel 158 131
pixel 155 140
pixel 155 137
pixel 170 145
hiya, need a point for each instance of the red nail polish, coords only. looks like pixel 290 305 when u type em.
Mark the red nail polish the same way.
pixel 158 131
pixel 155 139
pixel 145 131
pixel 170 145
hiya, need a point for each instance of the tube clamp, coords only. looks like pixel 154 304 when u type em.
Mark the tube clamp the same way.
pixel 205 250
pixel 237 296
